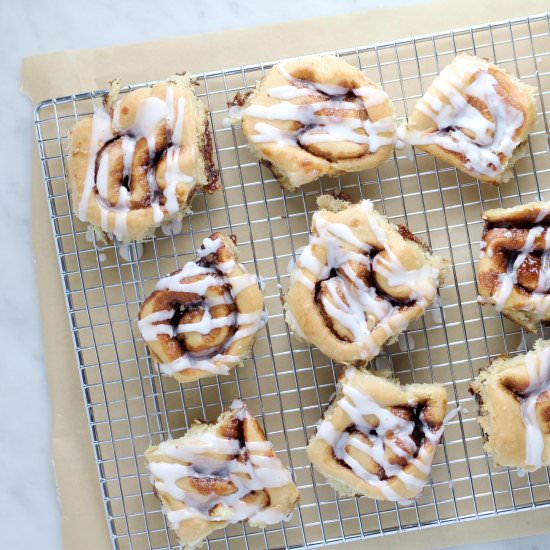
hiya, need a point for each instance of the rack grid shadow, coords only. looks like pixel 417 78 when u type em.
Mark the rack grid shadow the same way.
pixel 285 382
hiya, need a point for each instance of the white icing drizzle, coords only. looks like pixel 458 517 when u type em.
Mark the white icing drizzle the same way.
pixel 460 127
pixel 173 227
pixel 241 282
pixel 437 312
pixel 209 246
pixel 149 114
pixel 392 432
pixel 173 176
pixel 129 252
pixel 198 279
pixel 259 446
pixel 321 128
pixel 268 133
pixel 544 211
pixel 538 370
pixel 207 324
pixel 383 363
pixel 241 466
pixel 151 326
pixel 177 283
pixel 361 304
pixel 227 267
pixel 406 341
pixel 250 318
pixel 218 364
pixel 288 92
pixel 371 95
pixel 101 133
pixel 177 133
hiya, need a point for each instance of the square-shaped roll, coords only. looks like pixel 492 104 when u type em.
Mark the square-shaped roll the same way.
pixel 221 473
pixel 514 408
pixel 476 117
pixel 378 438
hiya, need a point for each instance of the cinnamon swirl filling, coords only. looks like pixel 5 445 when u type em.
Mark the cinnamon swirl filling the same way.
pixel 220 474
pixel 318 116
pixel 202 319
pixel 359 282
pixel 377 438
pixel 138 161
pixel 514 398
pixel 514 264
pixel 474 116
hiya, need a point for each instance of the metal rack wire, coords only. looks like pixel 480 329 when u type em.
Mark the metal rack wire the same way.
pixel 287 383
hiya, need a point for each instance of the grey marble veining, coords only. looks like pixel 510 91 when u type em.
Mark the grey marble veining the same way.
pixel 29 512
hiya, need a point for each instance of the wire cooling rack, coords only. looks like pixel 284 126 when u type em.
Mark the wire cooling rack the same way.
pixel 287 383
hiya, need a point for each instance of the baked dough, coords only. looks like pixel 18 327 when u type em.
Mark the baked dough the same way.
pixel 137 162
pixel 514 263
pixel 219 474
pixel 202 319
pixel 476 117
pixel 317 116
pixel 359 282
pixel 514 408
pixel 378 438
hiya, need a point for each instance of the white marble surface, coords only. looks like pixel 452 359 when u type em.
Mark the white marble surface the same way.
pixel 29 513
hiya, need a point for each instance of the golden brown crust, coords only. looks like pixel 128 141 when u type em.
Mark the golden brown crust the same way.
pixel 459 136
pixel 379 438
pixel 501 389
pixel 212 467
pixel 358 262
pixel 139 160
pixel 296 155
pixel 215 294
pixel 513 265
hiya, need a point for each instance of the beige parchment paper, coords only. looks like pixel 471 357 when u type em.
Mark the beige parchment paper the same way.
pixel 58 74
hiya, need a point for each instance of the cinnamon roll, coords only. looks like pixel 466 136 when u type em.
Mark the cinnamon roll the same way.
pixel 514 408
pixel 514 263
pixel 218 474
pixel 318 116
pixel 202 319
pixel 378 438
pixel 359 282
pixel 138 161
pixel 476 117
